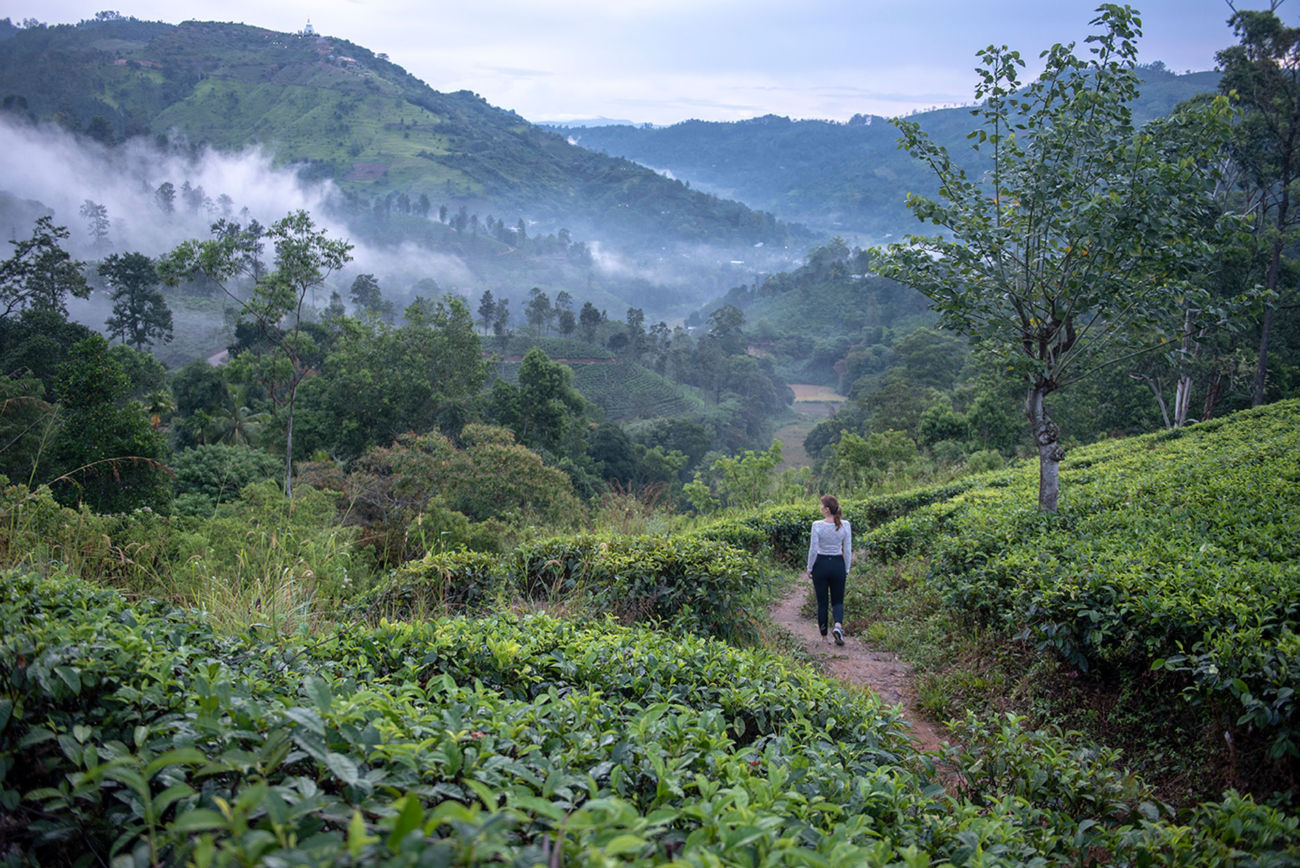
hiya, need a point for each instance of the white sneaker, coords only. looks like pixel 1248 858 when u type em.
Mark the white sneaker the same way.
pixel 839 634
pixel 827 639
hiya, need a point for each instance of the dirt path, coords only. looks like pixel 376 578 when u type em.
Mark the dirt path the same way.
pixel 881 672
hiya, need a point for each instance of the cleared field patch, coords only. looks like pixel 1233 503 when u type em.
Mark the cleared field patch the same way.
pixel 812 403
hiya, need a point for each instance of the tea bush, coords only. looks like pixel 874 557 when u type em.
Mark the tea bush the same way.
pixel 782 531
pixel 683 584
pixel 134 735
pixel 439 584
pixel 1176 551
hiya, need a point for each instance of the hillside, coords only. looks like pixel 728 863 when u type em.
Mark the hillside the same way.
pixel 418 723
pixel 339 111
pixel 849 178
pixel 1156 607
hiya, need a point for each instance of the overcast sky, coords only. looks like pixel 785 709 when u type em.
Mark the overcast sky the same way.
pixel 663 61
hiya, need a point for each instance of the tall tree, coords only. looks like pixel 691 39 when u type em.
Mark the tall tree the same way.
pixel 110 453
pixel 97 223
pixel 589 319
pixel 636 337
pixel 538 310
pixel 566 323
pixel 165 197
pixel 140 313
pixel 1262 76
pixel 487 309
pixel 304 259
pixel 379 381
pixel 368 297
pixel 552 413
pixel 41 274
pixel 1072 252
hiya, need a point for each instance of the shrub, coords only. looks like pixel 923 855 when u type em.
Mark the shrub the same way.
pixel 685 585
pixel 215 473
pixel 136 735
pixel 442 583
pixel 1174 551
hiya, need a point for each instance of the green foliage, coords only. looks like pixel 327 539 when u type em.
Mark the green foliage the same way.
pixel 1260 76
pixel 424 493
pixel 36 530
pixel 683 584
pixel 441 583
pixel 782 531
pixel 379 381
pixel 265 559
pixel 551 411
pixel 140 313
pixel 857 463
pixel 985 460
pixel 1130 575
pixel 40 275
pixel 37 342
pixel 304 258
pixel 256 560
pixel 133 732
pixel 627 391
pixel 108 454
pixel 1053 261
pixel 27 426
pixel 214 473
pixel 745 481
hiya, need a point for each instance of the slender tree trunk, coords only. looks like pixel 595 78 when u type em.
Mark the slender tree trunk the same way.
pixel 1046 434
pixel 1160 398
pixel 1262 367
pixel 288 445
pixel 1274 267
pixel 1212 391
pixel 1191 352
pixel 296 377
pixel 1182 400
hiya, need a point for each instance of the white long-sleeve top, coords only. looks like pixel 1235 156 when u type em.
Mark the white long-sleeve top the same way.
pixel 826 540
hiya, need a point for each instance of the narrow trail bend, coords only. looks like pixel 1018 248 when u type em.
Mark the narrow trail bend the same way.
pixel 853 662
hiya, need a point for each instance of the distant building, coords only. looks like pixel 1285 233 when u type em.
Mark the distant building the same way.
pixel 308 30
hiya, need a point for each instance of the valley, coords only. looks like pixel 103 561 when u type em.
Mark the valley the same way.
pixel 386 479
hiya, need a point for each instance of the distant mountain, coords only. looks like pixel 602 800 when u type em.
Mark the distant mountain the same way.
pixel 590 122
pixel 350 115
pixel 848 178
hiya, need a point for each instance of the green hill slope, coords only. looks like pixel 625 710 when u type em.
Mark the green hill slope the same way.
pixel 354 117
pixel 847 178
pixel 1170 576
pixel 136 727
pixel 1158 610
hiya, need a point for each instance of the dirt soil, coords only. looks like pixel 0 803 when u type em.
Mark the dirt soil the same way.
pixel 855 663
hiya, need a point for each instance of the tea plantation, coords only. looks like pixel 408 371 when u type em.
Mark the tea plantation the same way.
pixel 134 733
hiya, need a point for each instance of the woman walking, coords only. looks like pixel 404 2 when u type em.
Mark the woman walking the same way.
pixel 830 554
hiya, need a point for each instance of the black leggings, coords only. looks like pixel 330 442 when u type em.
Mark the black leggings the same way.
pixel 828 581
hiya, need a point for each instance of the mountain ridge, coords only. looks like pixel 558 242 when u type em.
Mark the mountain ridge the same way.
pixel 847 178
pixel 353 115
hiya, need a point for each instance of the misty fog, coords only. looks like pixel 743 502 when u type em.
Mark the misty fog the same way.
pixel 60 172
pixel 50 171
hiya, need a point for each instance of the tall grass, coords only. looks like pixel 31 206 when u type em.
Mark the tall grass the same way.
pixel 260 561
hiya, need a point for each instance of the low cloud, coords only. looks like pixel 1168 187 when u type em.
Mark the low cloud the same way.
pixel 46 165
